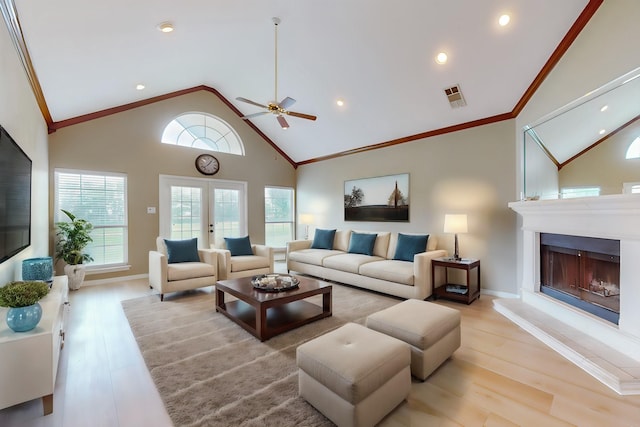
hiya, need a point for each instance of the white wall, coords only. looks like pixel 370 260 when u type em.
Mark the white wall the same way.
pixel 21 117
pixel 469 171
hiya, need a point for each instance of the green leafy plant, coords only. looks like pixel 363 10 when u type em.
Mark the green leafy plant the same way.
pixel 73 237
pixel 22 293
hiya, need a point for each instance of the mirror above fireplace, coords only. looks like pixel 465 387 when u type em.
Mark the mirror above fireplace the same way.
pixel 580 149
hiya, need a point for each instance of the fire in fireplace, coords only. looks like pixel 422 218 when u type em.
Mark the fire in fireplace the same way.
pixel 582 271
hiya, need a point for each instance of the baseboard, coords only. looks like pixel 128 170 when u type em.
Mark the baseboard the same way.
pixel 114 279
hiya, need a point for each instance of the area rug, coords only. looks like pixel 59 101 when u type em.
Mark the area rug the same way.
pixel 211 372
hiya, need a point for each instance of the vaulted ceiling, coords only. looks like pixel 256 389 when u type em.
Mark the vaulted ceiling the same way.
pixel 377 56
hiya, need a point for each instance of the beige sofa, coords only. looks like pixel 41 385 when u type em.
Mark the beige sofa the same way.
pixel 378 272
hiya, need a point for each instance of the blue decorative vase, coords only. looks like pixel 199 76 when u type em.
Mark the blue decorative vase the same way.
pixel 23 319
pixel 38 269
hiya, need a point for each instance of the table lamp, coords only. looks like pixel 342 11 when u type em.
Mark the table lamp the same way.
pixel 455 224
pixel 306 220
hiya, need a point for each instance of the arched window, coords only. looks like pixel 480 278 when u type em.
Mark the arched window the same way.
pixel 633 152
pixel 204 131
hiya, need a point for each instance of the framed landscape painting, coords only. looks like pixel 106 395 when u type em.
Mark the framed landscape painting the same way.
pixel 382 198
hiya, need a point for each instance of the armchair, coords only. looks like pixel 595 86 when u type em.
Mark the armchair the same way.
pixel 235 266
pixel 181 276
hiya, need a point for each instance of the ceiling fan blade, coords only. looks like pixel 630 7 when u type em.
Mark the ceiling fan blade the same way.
pixel 250 116
pixel 283 122
pixel 248 101
pixel 286 103
pixel 301 115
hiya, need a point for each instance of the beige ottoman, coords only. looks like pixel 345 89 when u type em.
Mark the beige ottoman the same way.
pixel 432 330
pixel 354 375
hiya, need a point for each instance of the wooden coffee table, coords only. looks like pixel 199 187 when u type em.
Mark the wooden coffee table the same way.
pixel 267 314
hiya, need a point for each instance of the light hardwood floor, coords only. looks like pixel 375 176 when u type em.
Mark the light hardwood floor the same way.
pixel 500 376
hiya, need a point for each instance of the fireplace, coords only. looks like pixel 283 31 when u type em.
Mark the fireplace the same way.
pixel 607 350
pixel 583 272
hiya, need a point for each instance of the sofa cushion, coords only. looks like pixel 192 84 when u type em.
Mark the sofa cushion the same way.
pixel 382 244
pixel 312 256
pixel 189 270
pixel 348 262
pixel 362 243
pixel 390 270
pixel 182 250
pixel 409 245
pixel 323 239
pixel 248 262
pixel 342 239
pixel 238 245
pixel 432 243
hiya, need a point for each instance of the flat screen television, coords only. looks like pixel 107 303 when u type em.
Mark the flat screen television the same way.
pixel 15 197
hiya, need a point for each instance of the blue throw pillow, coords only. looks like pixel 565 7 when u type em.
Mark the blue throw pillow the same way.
pixel 182 250
pixel 239 245
pixel 409 245
pixel 323 239
pixel 362 243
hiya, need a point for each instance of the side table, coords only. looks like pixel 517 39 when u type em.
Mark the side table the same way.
pixel 467 292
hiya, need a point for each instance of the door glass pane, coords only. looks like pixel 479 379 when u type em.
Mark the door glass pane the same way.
pixel 227 213
pixel 186 212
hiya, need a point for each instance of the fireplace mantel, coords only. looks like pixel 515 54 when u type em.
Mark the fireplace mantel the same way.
pixel 611 217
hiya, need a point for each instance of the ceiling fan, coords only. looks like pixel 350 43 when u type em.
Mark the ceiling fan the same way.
pixel 279 109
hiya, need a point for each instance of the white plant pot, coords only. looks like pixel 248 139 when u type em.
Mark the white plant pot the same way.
pixel 75 273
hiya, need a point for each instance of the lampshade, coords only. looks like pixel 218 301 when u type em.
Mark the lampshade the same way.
pixel 455 223
pixel 306 219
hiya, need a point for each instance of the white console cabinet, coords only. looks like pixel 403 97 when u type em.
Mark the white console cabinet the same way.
pixel 29 360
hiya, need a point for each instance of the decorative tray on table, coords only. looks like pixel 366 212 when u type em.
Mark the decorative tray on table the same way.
pixel 274 282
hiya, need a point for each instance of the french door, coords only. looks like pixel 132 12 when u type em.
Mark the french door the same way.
pixel 208 209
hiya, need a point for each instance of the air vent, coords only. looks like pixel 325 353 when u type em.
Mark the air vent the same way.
pixel 454 95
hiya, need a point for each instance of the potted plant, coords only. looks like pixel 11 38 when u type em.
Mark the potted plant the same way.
pixel 72 238
pixel 22 299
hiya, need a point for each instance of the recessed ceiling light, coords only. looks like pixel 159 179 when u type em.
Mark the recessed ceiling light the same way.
pixel 165 27
pixel 441 58
pixel 602 131
pixel 139 86
pixel 604 108
pixel 504 20
pixel 340 102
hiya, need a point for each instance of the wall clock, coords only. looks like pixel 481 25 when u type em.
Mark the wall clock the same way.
pixel 207 164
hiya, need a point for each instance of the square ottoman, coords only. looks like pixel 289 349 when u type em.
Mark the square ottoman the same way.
pixel 354 375
pixel 432 330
